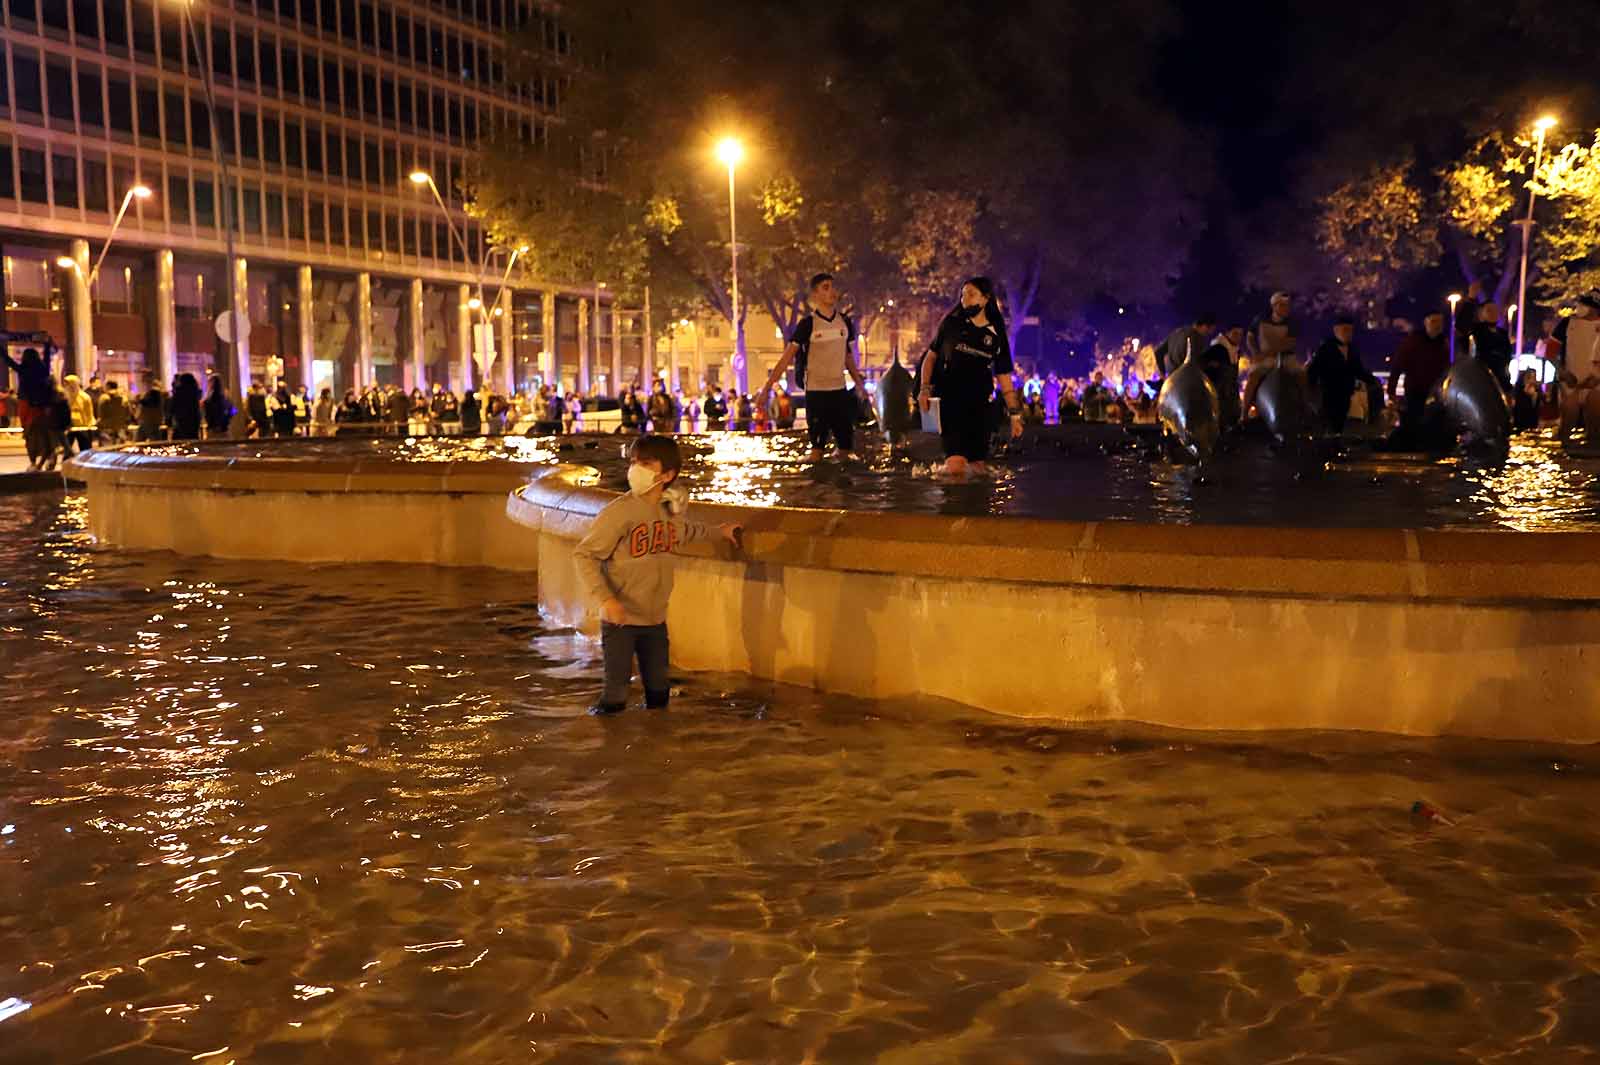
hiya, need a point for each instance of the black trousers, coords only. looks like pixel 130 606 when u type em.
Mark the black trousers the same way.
pixel 964 426
pixel 620 645
pixel 831 413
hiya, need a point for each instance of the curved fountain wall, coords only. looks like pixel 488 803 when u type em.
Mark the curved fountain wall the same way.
pixel 361 509
pixel 1492 634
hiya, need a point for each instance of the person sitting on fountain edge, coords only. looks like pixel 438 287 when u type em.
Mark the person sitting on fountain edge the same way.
pixel 823 349
pixel 625 564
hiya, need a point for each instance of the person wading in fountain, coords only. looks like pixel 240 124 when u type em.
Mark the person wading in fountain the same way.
pixel 823 349
pixel 625 563
pixel 1421 359
pixel 970 351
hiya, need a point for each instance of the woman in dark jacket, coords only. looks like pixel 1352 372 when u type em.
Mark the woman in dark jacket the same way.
pixel 471 414
pixel 185 416
pixel 218 410
pixel 283 411
pixel 36 393
pixel 968 357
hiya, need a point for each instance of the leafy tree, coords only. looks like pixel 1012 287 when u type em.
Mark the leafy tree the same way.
pixel 1376 228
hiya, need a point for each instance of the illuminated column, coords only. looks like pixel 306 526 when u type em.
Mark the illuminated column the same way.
pixel 166 353
pixel 583 346
pixel 80 332
pixel 241 318
pixel 699 355
pixel 414 325
pixel 508 336
pixel 647 344
pixel 305 328
pixel 463 338
pixel 616 349
pixel 363 329
pixel 550 364
pixel 674 379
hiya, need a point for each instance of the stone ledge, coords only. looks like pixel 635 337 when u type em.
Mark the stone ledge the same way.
pixel 1356 564
pixel 132 467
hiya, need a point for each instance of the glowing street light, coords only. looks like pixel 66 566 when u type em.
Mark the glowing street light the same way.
pixel 730 152
pixel 1540 128
pixel 475 303
pixel 137 192
pixel 1454 298
pixel 422 177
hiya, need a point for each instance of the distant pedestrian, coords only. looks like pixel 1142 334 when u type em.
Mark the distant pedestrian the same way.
pixel 185 409
pixel 1421 360
pixel 1335 372
pixel 152 410
pixel 282 411
pixel 323 414
pixel 218 410
pixel 113 414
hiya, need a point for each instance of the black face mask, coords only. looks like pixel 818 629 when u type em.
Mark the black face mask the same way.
pixel 971 312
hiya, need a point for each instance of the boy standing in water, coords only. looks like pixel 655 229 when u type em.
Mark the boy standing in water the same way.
pixel 625 564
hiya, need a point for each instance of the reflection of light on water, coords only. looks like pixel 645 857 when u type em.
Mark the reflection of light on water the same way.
pixel 10 1007
pixel 1533 490
pixel 740 469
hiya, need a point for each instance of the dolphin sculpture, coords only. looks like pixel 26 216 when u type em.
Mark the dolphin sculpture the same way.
pixel 1474 402
pixel 1283 404
pixel 895 416
pixel 1189 408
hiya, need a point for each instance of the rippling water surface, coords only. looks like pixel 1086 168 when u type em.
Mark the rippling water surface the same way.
pixel 261 813
pixel 1078 473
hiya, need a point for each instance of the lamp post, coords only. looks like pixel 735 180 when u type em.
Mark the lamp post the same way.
pixel 731 152
pixel 1454 298
pixel 241 359
pixel 137 192
pixel 477 303
pixel 1540 128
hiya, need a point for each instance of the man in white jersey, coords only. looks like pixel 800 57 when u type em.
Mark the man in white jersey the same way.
pixel 823 350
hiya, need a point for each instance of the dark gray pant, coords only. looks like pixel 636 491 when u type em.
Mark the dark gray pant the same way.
pixel 620 644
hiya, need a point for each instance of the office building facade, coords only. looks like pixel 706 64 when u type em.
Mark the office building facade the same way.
pixel 347 271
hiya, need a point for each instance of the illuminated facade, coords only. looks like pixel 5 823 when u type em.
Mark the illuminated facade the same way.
pixel 350 272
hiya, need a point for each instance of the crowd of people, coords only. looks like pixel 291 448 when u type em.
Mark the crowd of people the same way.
pixel 967 366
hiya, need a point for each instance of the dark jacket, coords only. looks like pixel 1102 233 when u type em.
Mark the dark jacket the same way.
pixel 218 411
pixel 1494 349
pixel 34 383
pixel 471 415
pixel 185 416
pixel 1422 360
pixel 1335 375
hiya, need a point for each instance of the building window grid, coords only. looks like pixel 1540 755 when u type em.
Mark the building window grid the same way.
pixel 398 217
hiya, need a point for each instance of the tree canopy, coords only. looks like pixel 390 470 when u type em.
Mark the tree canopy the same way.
pixel 903 147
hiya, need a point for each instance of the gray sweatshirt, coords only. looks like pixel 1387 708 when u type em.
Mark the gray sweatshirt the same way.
pixel 627 553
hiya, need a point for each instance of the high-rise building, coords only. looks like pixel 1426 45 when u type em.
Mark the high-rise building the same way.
pixel 328 115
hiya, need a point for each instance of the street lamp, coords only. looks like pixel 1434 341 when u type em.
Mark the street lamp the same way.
pixel 1540 128
pixel 229 204
pixel 730 152
pixel 1454 298
pixel 137 192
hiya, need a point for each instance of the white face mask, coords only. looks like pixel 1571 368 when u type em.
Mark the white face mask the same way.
pixel 641 479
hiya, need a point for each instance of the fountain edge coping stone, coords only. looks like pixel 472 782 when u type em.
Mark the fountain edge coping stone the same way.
pixel 1497 566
